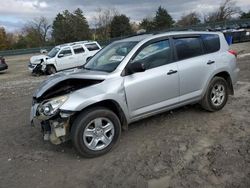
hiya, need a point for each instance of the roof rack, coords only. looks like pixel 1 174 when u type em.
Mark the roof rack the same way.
pixel 74 43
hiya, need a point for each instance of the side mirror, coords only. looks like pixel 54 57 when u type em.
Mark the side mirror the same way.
pixel 60 55
pixel 89 58
pixel 135 67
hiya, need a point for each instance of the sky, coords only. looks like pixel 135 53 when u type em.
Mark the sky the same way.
pixel 15 13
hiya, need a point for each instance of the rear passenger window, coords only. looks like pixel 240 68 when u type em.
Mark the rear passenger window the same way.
pixel 66 52
pixel 188 47
pixel 92 47
pixel 78 49
pixel 211 43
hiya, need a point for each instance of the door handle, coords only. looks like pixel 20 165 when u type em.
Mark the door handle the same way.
pixel 210 62
pixel 172 72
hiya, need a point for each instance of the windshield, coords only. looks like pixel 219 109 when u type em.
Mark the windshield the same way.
pixel 110 57
pixel 53 52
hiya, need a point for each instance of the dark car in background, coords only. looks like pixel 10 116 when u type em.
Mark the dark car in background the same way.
pixel 3 65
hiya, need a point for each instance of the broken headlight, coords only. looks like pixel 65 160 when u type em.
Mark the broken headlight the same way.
pixel 51 107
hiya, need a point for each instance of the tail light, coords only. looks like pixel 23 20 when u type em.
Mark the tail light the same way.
pixel 233 52
pixel 2 60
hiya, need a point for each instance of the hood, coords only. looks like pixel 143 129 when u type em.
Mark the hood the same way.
pixel 37 59
pixel 68 81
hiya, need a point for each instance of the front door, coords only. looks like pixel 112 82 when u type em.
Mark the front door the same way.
pixel 65 59
pixel 158 86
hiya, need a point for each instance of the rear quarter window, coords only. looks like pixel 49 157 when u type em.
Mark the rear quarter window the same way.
pixel 211 43
pixel 92 47
pixel 78 49
pixel 188 47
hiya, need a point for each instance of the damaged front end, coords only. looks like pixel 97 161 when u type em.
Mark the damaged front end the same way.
pixel 54 122
pixel 47 100
pixel 37 69
pixel 37 65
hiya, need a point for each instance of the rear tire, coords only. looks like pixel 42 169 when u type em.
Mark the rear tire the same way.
pixel 216 95
pixel 50 69
pixel 95 132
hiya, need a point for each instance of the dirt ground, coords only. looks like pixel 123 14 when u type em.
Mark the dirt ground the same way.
pixel 187 147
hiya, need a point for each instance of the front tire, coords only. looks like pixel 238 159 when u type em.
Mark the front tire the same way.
pixel 216 95
pixel 50 69
pixel 95 132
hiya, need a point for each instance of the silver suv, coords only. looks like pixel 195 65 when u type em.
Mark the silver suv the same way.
pixel 132 79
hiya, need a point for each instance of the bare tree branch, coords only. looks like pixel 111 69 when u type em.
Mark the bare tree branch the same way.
pixel 226 11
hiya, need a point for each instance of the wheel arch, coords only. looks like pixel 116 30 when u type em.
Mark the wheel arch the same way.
pixel 49 65
pixel 52 65
pixel 109 104
pixel 227 77
pixel 222 74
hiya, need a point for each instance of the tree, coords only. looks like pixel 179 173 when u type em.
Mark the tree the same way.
pixel 135 27
pixel 59 29
pixel 226 11
pixel 43 27
pixel 245 15
pixel 162 19
pixel 31 37
pixel 3 39
pixel 120 26
pixel 102 23
pixel 69 27
pixel 80 26
pixel 189 19
pixel 37 31
pixel 147 24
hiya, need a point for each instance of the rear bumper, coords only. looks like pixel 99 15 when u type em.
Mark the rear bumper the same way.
pixel 235 76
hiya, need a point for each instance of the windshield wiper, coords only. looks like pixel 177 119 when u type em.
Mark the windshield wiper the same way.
pixel 87 68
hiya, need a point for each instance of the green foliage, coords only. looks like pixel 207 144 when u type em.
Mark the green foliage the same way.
pixel 162 19
pixel 147 24
pixel 32 38
pixel 68 27
pixel 245 15
pixel 120 26
pixel 3 39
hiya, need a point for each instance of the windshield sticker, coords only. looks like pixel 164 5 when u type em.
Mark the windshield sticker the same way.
pixel 117 58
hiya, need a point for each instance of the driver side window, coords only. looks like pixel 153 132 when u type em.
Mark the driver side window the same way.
pixel 66 52
pixel 155 55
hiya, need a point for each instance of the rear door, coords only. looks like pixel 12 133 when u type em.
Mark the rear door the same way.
pixel 80 55
pixel 158 86
pixel 195 65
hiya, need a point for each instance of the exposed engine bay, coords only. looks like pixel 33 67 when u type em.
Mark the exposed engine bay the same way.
pixel 55 123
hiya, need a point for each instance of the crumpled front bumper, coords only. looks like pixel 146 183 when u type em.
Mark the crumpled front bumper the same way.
pixel 55 128
pixel 36 68
pixel 31 67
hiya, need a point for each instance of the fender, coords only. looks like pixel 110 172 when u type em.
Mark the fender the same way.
pixel 218 71
pixel 113 90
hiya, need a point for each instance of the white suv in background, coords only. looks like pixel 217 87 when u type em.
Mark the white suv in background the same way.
pixel 62 57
